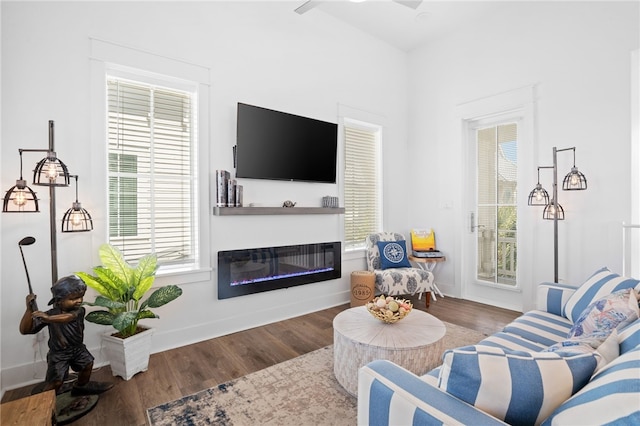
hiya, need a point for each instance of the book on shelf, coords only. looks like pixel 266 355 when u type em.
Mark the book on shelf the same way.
pixel 427 254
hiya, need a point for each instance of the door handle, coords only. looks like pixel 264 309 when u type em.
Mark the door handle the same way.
pixel 472 223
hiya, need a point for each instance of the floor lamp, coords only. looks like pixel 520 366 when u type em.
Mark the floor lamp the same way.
pixel 573 181
pixel 51 172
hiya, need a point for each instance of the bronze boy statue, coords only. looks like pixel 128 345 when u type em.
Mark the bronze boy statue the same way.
pixel 66 334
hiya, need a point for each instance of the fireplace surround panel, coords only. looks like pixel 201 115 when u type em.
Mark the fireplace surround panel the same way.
pixel 248 271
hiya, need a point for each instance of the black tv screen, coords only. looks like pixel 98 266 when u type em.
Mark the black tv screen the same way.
pixel 282 146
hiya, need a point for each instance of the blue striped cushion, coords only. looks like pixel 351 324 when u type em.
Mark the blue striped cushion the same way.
pixel 601 283
pixel 553 296
pixel 390 395
pixel 432 377
pixel 611 397
pixel 629 337
pixel 512 342
pixel 540 327
pixel 517 387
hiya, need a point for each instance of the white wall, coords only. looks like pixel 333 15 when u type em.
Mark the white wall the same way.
pixel 263 53
pixel 577 55
pixel 260 53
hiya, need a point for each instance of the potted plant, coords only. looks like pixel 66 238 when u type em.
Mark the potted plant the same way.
pixel 121 288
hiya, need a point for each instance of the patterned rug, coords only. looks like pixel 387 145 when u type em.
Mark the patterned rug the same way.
pixel 301 391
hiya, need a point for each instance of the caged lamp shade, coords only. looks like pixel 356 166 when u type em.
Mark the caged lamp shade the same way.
pixel 77 219
pixel 20 199
pixel 539 196
pixel 51 171
pixel 549 212
pixel 574 180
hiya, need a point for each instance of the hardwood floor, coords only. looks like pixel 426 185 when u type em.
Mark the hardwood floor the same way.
pixel 183 371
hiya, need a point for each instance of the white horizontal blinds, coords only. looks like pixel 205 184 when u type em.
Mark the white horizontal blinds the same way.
pixel 497 165
pixel 151 173
pixel 361 190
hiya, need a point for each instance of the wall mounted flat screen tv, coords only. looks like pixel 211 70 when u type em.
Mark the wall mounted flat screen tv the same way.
pixel 282 146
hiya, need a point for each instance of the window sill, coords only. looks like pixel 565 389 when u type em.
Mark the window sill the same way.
pixel 354 254
pixel 500 286
pixel 182 277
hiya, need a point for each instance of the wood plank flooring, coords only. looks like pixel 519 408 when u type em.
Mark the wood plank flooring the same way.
pixel 183 371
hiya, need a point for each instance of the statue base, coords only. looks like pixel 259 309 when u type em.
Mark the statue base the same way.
pixel 69 408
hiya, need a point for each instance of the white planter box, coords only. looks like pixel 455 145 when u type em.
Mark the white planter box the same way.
pixel 128 356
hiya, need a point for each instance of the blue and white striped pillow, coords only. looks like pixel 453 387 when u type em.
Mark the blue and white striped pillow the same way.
pixel 517 387
pixel 598 285
pixel 610 398
pixel 629 337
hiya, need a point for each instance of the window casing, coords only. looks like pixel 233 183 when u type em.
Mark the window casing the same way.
pixel 362 182
pixel 152 171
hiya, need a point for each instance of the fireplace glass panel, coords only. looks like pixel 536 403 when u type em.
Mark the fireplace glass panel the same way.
pixel 248 271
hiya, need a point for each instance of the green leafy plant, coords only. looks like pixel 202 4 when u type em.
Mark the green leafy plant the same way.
pixel 121 287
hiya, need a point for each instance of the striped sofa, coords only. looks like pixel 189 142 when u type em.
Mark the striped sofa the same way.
pixel 522 374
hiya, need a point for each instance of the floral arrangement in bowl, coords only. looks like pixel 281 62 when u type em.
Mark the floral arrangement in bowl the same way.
pixel 389 309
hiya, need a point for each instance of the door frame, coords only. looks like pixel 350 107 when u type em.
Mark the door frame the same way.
pixel 517 105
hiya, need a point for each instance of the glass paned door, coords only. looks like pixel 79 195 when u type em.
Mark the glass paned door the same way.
pixel 496 208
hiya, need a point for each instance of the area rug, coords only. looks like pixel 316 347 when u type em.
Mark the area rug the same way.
pixel 301 391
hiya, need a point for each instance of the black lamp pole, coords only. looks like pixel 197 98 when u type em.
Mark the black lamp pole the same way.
pixel 554 211
pixel 555 216
pixel 46 173
pixel 52 215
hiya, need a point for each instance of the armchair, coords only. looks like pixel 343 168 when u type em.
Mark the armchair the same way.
pixel 395 281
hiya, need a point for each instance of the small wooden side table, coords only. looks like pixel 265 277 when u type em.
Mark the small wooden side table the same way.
pixel 429 264
pixel 34 410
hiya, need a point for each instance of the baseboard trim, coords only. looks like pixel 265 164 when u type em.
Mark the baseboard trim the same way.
pixel 33 373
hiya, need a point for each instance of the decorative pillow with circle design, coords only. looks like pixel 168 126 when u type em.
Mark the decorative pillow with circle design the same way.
pixel 393 254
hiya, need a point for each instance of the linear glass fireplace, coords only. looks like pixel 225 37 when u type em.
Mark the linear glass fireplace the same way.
pixel 248 271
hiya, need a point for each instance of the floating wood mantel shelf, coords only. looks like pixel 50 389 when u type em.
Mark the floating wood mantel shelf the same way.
pixel 239 211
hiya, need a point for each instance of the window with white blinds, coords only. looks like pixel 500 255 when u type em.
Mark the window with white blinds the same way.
pixel 151 171
pixel 362 194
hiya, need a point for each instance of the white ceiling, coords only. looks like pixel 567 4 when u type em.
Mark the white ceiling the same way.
pixel 399 25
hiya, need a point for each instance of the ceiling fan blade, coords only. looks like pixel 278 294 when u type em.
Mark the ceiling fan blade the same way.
pixel 413 4
pixel 307 6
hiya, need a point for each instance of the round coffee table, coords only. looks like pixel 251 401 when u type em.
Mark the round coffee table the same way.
pixel 415 343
